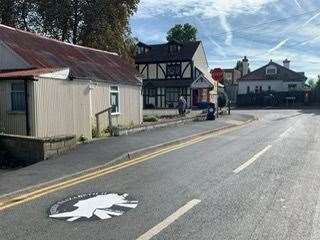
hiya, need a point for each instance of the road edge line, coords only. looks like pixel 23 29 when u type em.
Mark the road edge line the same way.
pixel 122 158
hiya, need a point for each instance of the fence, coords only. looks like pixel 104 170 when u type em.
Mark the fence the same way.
pixel 265 99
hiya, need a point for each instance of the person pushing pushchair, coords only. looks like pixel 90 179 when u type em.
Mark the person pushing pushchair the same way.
pixel 182 106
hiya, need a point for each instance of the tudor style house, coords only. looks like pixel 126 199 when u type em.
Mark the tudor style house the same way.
pixel 272 77
pixel 172 70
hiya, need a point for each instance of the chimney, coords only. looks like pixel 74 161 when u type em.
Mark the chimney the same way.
pixel 245 66
pixel 286 63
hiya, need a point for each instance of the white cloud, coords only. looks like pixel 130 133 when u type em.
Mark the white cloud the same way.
pixel 203 8
pixel 206 8
pixel 226 26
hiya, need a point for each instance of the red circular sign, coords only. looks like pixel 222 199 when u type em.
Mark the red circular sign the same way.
pixel 217 74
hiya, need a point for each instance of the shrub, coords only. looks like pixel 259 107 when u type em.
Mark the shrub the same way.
pixel 150 119
pixel 94 132
pixel 82 139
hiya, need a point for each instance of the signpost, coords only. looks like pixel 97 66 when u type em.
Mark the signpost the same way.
pixel 217 75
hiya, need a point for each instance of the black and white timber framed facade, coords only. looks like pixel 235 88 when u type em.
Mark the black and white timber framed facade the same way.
pixel 172 70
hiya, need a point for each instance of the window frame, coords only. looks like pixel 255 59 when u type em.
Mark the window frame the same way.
pixel 177 70
pixel 292 87
pixel 21 110
pixel 271 68
pixel 113 91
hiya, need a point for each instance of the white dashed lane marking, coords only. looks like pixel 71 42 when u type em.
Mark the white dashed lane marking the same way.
pixel 252 160
pixel 169 220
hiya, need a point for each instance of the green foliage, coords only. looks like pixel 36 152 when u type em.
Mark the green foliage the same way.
pixel 102 24
pixel 83 139
pixel 222 100
pixel 182 33
pixel 94 132
pixel 311 83
pixel 239 66
pixel 150 119
pixel 317 85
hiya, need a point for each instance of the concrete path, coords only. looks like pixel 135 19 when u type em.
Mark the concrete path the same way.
pixel 103 151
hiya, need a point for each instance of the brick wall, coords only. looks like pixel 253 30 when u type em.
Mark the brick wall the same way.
pixel 28 150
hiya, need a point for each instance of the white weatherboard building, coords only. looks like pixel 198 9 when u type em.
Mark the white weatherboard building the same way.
pixel 50 88
pixel 272 77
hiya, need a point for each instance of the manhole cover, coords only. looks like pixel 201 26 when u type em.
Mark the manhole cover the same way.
pixel 92 207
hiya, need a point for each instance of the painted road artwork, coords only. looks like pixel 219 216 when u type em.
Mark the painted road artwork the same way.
pixel 92 207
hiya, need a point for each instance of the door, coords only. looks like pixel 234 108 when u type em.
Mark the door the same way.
pixel 195 97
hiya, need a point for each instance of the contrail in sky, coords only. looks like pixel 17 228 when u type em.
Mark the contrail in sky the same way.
pixel 312 18
pixel 279 45
pixel 298 4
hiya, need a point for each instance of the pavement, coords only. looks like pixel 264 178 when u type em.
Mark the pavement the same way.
pixel 104 151
pixel 259 181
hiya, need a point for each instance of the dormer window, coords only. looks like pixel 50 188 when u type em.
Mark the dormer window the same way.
pixel 174 49
pixel 271 70
pixel 142 48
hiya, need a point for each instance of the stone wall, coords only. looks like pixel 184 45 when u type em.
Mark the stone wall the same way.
pixel 29 150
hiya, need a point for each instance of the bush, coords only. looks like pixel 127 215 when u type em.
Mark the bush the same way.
pixel 150 119
pixel 94 132
pixel 222 101
pixel 83 139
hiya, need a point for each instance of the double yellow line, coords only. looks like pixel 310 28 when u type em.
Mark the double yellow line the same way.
pixel 15 200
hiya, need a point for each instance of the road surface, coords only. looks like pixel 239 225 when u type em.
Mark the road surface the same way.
pixel 260 181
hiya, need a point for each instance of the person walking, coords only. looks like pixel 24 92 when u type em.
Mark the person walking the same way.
pixel 182 106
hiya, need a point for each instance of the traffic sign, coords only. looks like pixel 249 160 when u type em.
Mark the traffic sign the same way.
pixel 217 74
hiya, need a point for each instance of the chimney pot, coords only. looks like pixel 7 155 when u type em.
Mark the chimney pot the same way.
pixel 286 63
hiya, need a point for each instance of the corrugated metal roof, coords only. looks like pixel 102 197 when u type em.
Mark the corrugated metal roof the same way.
pixel 29 73
pixel 43 53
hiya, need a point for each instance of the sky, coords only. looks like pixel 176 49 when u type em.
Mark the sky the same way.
pixel 230 29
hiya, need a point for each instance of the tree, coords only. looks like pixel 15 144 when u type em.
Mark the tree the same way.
pixel 102 24
pixel 317 84
pixel 239 66
pixel 182 33
pixel 16 13
pixel 311 83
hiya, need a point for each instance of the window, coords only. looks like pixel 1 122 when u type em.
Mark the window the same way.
pixel 260 89
pixel 140 50
pixel 248 89
pixel 292 87
pixel 269 88
pixel 173 70
pixel 18 97
pixel 174 48
pixel 271 70
pixel 114 99
pixel 173 95
pixel 161 98
pixel 257 89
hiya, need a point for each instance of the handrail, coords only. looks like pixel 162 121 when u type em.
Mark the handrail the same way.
pixel 109 110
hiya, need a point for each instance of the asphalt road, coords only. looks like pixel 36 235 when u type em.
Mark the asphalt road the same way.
pixel 258 182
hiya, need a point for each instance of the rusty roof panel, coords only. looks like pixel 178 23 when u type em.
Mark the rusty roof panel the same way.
pixel 41 52
pixel 26 73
